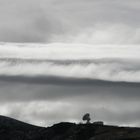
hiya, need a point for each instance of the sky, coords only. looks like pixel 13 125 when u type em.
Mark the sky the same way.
pixel 60 59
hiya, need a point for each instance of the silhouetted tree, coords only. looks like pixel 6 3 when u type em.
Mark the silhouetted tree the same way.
pixel 86 117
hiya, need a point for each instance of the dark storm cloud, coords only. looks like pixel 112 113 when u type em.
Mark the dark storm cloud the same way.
pixel 40 20
pixel 64 81
pixel 62 88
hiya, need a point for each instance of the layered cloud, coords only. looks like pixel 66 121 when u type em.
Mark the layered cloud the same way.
pixel 50 79
pixel 99 62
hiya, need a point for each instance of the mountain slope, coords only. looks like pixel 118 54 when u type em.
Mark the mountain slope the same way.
pixel 11 129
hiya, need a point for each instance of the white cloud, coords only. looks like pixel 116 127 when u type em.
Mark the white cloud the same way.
pixel 102 34
pixel 63 51
pixel 106 62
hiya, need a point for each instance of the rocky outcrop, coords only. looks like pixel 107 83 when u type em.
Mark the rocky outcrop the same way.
pixel 11 129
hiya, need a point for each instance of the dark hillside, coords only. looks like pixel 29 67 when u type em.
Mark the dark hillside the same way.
pixel 11 129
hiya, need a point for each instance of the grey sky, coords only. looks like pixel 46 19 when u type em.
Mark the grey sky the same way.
pixel 41 20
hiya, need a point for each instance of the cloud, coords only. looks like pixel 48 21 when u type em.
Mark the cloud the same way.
pixel 113 71
pixel 45 113
pixel 27 21
pixel 13 91
pixel 46 20
pixel 69 61
pixel 103 34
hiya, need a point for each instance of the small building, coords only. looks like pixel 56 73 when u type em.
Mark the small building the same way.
pixel 98 123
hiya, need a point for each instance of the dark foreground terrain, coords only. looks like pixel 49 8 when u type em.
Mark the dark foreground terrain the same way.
pixel 11 129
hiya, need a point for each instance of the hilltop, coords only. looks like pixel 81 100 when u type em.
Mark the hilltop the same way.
pixel 11 129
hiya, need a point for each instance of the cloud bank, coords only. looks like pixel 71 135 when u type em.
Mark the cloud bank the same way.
pixel 52 78
pixel 66 61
